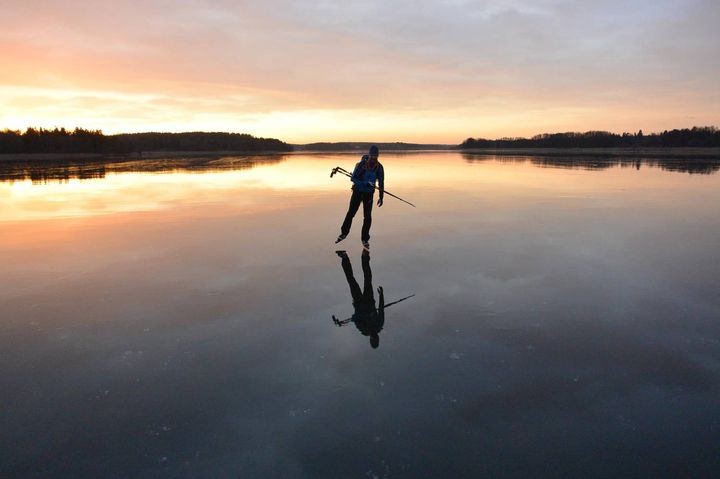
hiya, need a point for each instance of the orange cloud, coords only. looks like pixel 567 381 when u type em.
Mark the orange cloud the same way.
pixel 361 71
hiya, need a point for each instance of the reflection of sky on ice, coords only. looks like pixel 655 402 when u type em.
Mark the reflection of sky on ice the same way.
pixel 148 186
pixel 563 323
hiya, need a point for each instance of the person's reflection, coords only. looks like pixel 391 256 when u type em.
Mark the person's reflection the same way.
pixel 368 318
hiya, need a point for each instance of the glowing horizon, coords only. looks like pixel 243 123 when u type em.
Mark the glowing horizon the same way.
pixel 426 72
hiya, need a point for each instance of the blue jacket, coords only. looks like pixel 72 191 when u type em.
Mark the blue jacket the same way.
pixel 363 177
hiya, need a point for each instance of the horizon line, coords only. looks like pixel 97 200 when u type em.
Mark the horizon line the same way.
pixel 70 130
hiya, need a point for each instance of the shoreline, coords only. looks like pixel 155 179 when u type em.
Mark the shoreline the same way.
pixel 684 152
pixel 670 152
pixel 145 155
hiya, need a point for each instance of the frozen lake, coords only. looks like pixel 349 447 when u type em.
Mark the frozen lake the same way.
pixel 174 319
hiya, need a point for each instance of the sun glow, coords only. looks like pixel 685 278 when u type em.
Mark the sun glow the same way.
pixel 311 72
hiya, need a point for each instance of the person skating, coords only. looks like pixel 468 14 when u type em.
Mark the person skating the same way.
pixel 367 172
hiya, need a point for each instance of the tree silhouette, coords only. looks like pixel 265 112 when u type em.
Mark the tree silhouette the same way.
pixel 59 140
pixel 707 136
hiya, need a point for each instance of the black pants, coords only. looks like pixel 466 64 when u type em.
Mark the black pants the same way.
pixel 367 201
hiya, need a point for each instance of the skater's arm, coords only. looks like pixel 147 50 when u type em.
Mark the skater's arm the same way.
pixel 356 176
pixel 381 184
pixel 381 180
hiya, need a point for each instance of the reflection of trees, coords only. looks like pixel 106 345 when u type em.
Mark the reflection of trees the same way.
pixel 681 165
pixel 62 171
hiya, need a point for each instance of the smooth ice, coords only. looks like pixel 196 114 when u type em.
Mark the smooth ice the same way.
pixel 175 319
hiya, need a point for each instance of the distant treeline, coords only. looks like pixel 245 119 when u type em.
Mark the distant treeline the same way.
pixel 707 136
pixel 365 146
pixel 79 140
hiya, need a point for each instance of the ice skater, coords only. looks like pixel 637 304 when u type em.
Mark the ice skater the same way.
pixel 367 172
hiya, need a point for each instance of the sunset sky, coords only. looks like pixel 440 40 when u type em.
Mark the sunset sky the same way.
pixel 303 71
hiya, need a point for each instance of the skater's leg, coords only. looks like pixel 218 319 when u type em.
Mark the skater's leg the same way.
pixel 355 201
pixel 367 201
